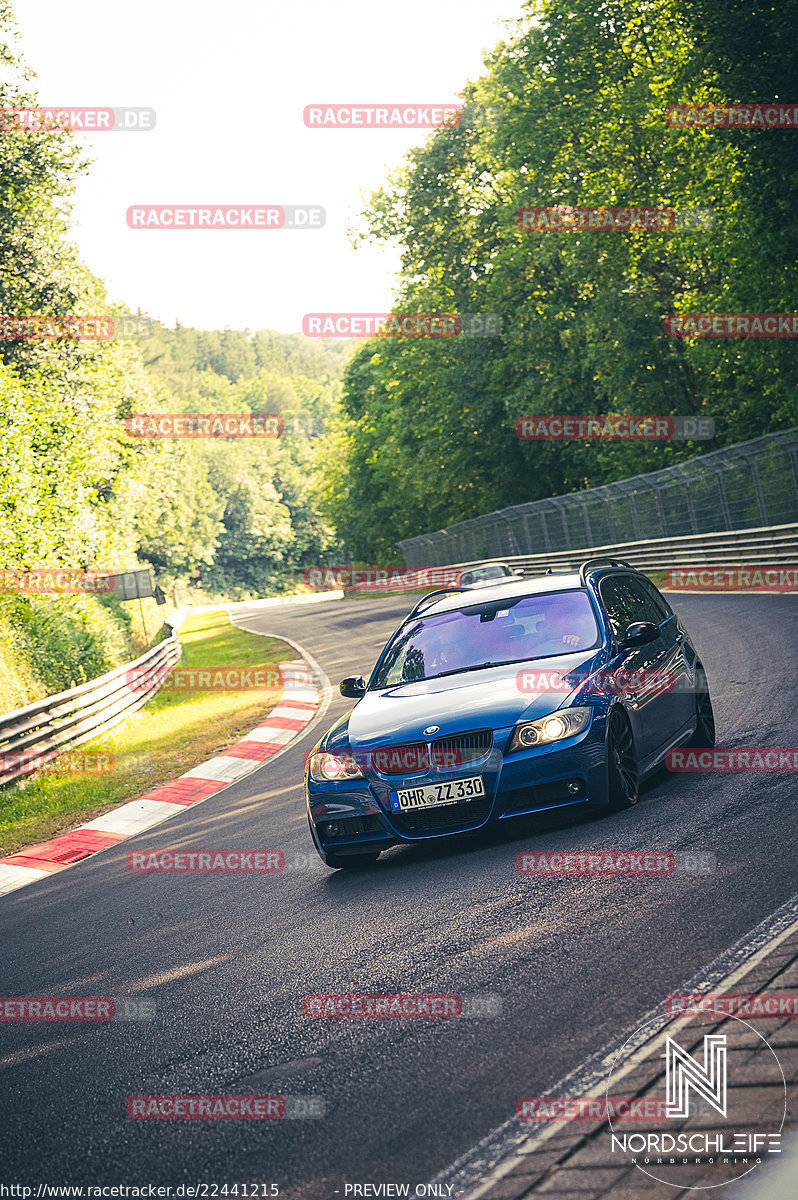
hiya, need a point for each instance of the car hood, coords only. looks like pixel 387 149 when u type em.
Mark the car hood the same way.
pixel 489 698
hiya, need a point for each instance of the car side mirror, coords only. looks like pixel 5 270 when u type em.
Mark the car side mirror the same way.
pixel 639 633
pixel 353 687
pixel 518 571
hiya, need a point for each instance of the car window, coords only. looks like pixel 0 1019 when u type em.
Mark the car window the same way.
pixel 513 629
pixel 660 603
pixel 627 600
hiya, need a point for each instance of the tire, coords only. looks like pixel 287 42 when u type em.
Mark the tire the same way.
pixel 622 769
pixel 340 861
pixel 704 735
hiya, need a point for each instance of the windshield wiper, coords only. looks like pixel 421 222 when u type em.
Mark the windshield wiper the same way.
pixel 507 662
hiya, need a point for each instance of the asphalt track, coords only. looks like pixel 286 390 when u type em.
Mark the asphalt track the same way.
pixel 228 958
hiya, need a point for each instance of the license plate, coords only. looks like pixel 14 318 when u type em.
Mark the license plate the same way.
pixel 450 792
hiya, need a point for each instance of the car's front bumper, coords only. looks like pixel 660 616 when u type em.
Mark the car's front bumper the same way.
pixel 356 815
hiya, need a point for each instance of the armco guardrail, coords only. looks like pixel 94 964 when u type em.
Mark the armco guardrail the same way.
pixel 750 485
pixel 31 736
pixel 773 544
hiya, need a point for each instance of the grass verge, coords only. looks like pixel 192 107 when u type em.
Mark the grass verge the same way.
pixel 173 732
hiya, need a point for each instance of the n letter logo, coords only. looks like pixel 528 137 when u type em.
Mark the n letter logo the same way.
pixel 684 1072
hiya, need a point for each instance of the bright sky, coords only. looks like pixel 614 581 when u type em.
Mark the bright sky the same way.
pixel 229 82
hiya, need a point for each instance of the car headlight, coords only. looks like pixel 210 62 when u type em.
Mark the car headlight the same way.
pixel 328 768
pixel 553 728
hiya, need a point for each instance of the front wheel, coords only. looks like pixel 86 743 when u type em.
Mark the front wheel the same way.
pixel 624 775
pixel 704 735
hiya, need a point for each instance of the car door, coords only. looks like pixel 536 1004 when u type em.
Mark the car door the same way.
pixel 682 696
pixel 653 708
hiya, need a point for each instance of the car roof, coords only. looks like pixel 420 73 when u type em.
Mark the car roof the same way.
pixel 536 585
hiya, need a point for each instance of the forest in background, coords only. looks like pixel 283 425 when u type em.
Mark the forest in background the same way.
pixel 237 516
pixel 231 516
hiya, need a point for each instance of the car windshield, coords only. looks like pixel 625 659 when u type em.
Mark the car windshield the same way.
pixel 489 634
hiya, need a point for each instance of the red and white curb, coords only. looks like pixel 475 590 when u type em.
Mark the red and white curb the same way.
pixel 297 705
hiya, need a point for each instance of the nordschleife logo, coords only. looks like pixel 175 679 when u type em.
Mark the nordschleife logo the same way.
pixel 718 1093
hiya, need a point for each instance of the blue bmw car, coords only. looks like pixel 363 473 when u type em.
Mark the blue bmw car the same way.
pixel 560 691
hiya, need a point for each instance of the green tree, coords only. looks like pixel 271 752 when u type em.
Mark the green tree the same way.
pixel 429 433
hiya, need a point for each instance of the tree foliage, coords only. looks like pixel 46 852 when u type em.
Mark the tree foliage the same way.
pixel 583 88
pixel 77 490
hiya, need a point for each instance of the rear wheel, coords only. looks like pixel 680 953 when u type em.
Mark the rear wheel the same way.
pixel 704 716
pixel 624 775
